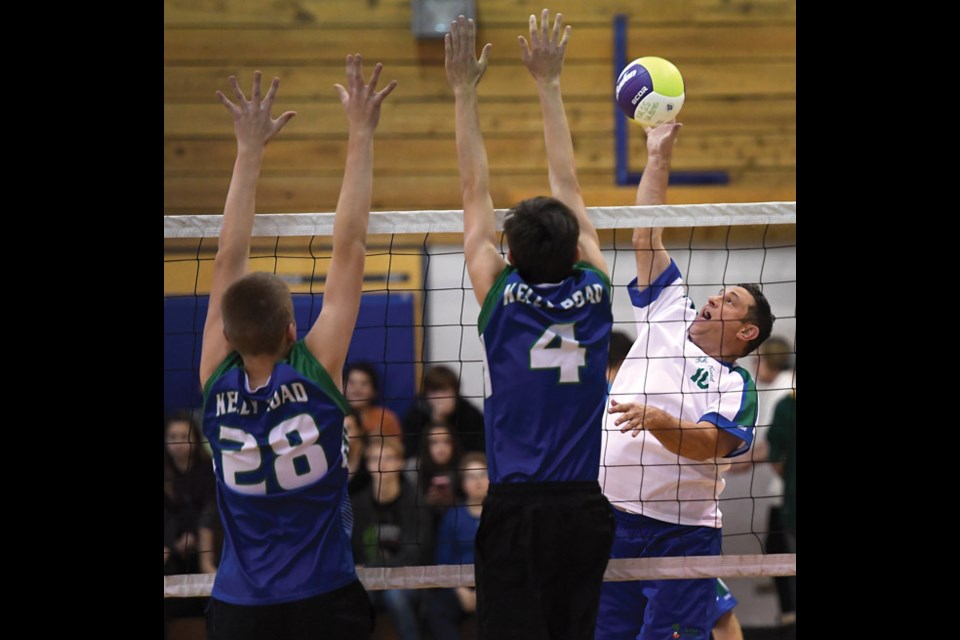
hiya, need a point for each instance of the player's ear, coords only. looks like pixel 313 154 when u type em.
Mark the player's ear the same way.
pixel 509 258
pixel 748 332
pixel 292 332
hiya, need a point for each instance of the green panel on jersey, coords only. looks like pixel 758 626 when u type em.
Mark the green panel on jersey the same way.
pixel 493 296
pixel 303 360
pixel 747 415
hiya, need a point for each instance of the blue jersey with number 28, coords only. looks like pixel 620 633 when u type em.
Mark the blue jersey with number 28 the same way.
pixel 545 351
pixel 278 453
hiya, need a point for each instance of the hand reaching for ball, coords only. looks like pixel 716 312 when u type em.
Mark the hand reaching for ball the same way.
pixel 660 138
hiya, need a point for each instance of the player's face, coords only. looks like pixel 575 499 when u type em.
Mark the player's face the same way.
pixel 359 390
pixel 476 483
pixel 721 317
pixel 440 445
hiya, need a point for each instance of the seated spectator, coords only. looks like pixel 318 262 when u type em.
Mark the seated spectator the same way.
pixel 440 402
pixel 391 530
pixel 190 519
pixel 359 477
pixel 363 393
pixel 437 465
pixel 447 608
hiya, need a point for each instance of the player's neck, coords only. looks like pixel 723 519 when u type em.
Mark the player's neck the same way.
pixel 259 369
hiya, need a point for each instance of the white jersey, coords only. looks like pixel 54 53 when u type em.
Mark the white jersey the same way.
pixel 666 370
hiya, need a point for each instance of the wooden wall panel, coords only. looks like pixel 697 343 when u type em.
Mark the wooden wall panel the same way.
pixel 738 59
pixel 360 14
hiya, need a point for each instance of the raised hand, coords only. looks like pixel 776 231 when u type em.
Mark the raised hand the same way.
pixel 543 55
pixel 252 123
pixel 464 69
pixel 360 100
pixel 660 138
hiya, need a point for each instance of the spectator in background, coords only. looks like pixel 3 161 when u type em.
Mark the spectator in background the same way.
pixel 437 465
pixel 189 500
pixel 359 477
pixel 783 452
pixel 363 394
pixel 391 530
pixel 190 520
pixel 440 402
pixel 447 608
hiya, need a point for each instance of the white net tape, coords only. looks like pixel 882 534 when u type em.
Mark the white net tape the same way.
pixel 321 224
pixel 461 575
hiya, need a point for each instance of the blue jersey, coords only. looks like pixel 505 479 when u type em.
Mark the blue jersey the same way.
pixel 281 473
pixel 545 362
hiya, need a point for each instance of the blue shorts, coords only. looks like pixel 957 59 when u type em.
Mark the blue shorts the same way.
pixel 659 609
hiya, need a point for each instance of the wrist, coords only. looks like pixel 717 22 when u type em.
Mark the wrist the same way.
pixel 250 149
pixel 465 91
pixel 659 158
pixel 361 134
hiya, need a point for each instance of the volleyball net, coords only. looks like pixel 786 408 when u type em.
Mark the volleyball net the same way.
pixel 418 313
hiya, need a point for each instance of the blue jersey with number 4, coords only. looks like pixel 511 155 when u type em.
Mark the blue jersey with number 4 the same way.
pixel 545 363
pixel 281 481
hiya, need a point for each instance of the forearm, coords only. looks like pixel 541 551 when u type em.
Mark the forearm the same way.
pixel 474 169
pixel 238 212
pixel 653 183
pixel 353 205
pixel 561 161
pixel 651 256
pixel 694 440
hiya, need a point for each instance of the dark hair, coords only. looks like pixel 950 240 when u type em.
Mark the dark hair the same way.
pixel 759 314
pixel 429 468
pixel 199 459
pixel 257 309
pixel 439 378
pixel 367 369
pixel 472 457
pixel 776 353
pixel 620 344
pixel 542 234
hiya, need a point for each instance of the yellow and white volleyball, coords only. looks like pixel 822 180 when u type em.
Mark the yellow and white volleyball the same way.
pixel 650 91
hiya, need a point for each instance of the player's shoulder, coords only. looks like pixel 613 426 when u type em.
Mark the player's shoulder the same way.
pixel 742 379
pixel 588 270
pixel 306 364
pixel 231 362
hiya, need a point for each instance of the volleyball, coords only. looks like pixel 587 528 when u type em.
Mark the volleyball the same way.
pixel 650 91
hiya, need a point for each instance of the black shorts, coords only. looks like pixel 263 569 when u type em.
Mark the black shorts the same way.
pixel 343 614
pixel 541 552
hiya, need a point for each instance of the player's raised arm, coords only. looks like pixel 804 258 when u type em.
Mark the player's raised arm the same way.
pixel 329 338
pixel 254 128
pixel 543 57
pixel 464 70
pixel 652 257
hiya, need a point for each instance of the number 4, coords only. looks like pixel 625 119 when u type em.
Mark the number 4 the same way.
pixel 569 356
